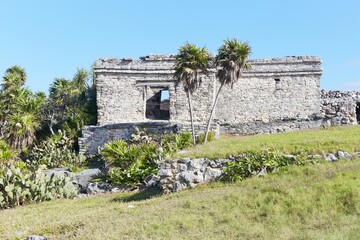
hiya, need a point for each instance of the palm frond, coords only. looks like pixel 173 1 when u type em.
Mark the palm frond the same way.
pixel 231 60
pixel 190 62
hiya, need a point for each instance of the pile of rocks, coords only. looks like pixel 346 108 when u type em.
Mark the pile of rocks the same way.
pixel 83 181
pixel 175 175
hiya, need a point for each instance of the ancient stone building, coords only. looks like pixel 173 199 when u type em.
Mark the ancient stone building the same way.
pixel 276 95
pixel 132 91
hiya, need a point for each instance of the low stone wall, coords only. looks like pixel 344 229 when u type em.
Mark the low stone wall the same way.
pixel 277 126
pixel 94 137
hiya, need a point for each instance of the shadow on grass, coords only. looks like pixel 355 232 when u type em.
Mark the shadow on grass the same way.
pixel 139 196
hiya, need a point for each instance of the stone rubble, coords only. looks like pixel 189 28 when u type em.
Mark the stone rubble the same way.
pixel 176 175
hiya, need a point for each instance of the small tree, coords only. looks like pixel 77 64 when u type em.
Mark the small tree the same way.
pixel 190 62
pixel 230 61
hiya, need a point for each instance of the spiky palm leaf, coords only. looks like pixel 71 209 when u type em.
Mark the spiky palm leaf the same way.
pixel 15 77
pixel 231 60
pixel 189 63
pixel 20 130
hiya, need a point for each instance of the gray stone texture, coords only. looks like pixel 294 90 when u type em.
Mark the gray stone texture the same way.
pixel 83 178
pixel 274 88
pixel 175 175
pixel 339 107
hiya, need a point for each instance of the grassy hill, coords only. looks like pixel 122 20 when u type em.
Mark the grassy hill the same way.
pixel 319 201
pixel 321 141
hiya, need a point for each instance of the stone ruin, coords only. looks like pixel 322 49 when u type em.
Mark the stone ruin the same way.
pixel 275 95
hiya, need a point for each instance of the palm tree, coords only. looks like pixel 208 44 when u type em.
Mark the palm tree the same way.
pixel 190 62
pixel 14 78
pixel 230 60
pixel 20 130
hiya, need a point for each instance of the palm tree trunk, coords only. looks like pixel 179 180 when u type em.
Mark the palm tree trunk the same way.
pixel 191 117
pixel 212 113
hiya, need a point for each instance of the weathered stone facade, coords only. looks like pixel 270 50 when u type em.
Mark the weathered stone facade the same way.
pixel 274 88
pixel 275 95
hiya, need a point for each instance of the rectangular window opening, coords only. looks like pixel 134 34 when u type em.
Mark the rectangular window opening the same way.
pixel 158 104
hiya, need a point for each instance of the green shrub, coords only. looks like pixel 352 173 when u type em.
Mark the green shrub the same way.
pixel 201 137
pixel 119 154
pixel 252 163
pixel 174 142
pixel 55 152
pixel 130 163
pixel 19 185
pixel 6 154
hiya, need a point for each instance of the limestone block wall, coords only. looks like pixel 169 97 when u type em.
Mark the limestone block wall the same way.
pixel 339 107
pixel 273 89
pixel 123 86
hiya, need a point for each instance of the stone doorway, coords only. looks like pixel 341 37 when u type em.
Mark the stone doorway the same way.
pixel 358 112
pixel 158 104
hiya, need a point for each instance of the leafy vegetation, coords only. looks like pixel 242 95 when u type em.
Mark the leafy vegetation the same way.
pixel 201 137
pixel 20 110
pixel 320 201
pixel 257 163
pixel 131 162
pixel 57 151
pixel 20 185
pixel 27 118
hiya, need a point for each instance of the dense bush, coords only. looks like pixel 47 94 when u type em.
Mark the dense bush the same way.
pixel 174 142
pixel 130 162
pixel 55 152
pixel 253 163
pixel 19 185
pixel 201 137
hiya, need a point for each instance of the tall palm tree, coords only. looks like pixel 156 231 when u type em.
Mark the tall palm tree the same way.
pixel 230 61
pixel 190 62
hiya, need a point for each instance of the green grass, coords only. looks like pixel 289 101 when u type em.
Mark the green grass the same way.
pixel 320 141
pixel 319 201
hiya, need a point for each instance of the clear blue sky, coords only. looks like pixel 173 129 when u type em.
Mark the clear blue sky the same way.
pixel 53 38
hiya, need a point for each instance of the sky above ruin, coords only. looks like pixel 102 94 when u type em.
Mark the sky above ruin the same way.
pixel 51 39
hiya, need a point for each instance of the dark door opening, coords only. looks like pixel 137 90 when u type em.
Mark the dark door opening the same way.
pixel 158 104
pixel 358 112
